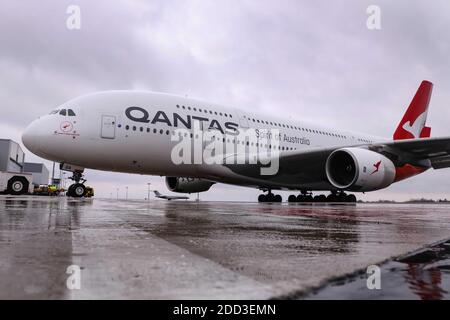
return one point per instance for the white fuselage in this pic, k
(101, 134)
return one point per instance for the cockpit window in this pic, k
(64, 112)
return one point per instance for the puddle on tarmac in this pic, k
(424, 275)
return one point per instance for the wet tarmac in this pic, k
(424, 274)
(207, 250)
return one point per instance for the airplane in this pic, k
(160, 196)
(139, 132)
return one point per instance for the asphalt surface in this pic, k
(204, 250)
(424, 274)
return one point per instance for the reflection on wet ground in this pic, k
(35, 249)
(191, 250)
(424, 275)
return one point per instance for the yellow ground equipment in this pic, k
(89, 192)
(47, 190)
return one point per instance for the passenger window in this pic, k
(63, 112)
(71, 113)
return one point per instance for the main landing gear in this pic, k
(337, 196)
(78, 189)
(270, 197)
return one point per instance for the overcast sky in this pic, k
(311, 60)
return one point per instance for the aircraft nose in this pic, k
(30, 137)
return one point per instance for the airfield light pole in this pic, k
(148, 192)
(126, 196)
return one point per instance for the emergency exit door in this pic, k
(108, 127)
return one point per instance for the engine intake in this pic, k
(356, 169)
(187, 185)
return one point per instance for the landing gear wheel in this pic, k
(332, 198)
(292, 198)
(351, 198)
(320, 198)
(69, 192)
(262, 198)
(18, 186)
(77, 190)
(342, 197)
(270, 197)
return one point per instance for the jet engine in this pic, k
(187, 185)
(356, 169)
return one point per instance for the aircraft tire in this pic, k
(78, 190)
(69, 192)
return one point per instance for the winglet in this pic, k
(412, 124)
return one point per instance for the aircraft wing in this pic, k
(308, 165)
(436, 150)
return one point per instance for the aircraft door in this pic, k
(108, 130)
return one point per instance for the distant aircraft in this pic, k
(160, 196)
(139, 132)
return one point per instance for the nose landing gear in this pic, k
(78, 189)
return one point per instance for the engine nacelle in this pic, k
(187, 185)
(357, 169)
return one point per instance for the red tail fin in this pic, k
(413, 122)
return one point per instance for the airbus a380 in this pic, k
(133, 132)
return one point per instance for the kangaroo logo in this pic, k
(377, 167)
(66, 126)
(415, 127)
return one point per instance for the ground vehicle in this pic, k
(47, 190)
(89, 192)
(16, 183)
